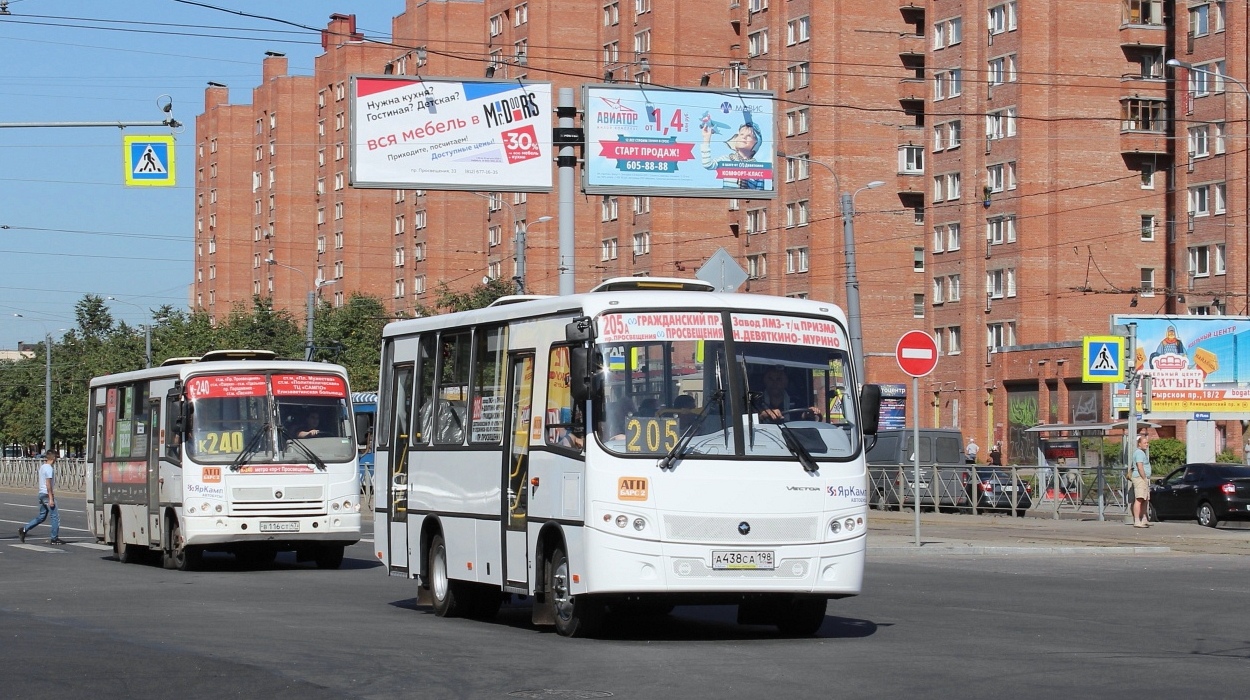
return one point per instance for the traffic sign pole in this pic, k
(916, 354)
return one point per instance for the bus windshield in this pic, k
(266, 418)
(662, 377)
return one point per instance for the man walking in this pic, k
(972, 450)
(47, 500)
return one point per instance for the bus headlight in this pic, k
(334, 506)
(835, 527)
(622, 520)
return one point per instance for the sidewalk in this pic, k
(892, 532)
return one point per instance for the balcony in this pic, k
(912, 89)
(910, 44)
(1143, 35)
(1155, 142)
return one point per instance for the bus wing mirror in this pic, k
(870, 408)
(579, 380)
(364, 425)
(580, 331)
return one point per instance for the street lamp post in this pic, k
(853, 316)
(520, 229)
(311, 306)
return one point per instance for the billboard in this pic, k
(1197, 364)
(448, 134)
(658, 141)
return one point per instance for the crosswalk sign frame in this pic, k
(1096, 350)
(148, 160)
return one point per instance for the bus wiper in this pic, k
(253, 446)
(312, 456)
(796, 447)
(679, 449)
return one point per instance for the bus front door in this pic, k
(397, 475)
(154, 472)
(516, 472)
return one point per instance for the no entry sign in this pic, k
(916, 353)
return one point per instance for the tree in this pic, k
(481, 296)
(351, 335)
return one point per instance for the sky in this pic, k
(69, 226)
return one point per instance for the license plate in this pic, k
(279, 526)
(1009, 489)
(742, 560)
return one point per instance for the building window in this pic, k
(399, 288)
(642, 205)
(1220, 262)
(756, 5)
(1000, 124)
(1144, 115)
(954, 342)
(952, 236)
(796, 214)
(911, 160)
(1198, 144)
(952, 186)
(1000, 229)
(1000, 335)
(947, 84)
(642, 243)
(338, 181)
(607, 249)
(418, 252)
(939, 286)
(521, 14)
(798, 76)
(953, 289)
(1002, 70)
(797, 168)
(757, 43)
(321, 244)
(1147, 286)
(418, 285)
(338, 270)
(418, 219)
(1147, 227)
(399, 256)
(612, 14)
(757, 221)
(494, 236)
(400, 225)
(611, 53)
(1200, 200)
(954, 134)
(609, 209)
(1144, 12)
(797, 31)
(494, 201)
(757, 266)
(917, 306)
(1218, 194)
(758, 82)
(939, 239)
(338, 240)
(796, 260)
(1200, 261)
(796, 121)
(642, 7)
(642, 44)
(917, 259)
(1002, 18)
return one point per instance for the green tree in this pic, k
(1166, 454)
(261, 328)
(480, 296)
(351, 335)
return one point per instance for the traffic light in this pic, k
(1146, 382)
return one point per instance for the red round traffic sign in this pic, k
(917, 353)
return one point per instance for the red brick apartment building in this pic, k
(1044, 169)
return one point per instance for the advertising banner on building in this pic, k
(659, 141)
(1197, 364)
(447, 134)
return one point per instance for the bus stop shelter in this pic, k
(1054, 466)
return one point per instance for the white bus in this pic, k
(233, 451)
(614, 452)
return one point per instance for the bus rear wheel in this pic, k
(575, 616)
(445, 593)
(329, 556)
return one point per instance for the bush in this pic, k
(1166, 454)
(1228, 457)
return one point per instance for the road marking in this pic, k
(38, 548)
(63, 527)
(93, 545)
(36, 505)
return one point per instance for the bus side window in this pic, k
(566, 427)
(173, 436)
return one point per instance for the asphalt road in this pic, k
(75, 623)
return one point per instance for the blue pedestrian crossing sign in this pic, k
(149, 161)
(1102, 358)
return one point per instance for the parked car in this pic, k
(1208, 493)
(993, 490)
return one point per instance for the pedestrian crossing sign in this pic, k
(149, 160)
(1103, 358)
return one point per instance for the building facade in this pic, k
(1043, 167)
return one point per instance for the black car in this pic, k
(1208, 493)
(993, 490)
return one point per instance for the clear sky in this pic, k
(68, 224)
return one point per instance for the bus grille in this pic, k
(697, 568)
(288, 500)
(711, 529)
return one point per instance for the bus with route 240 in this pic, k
(233, 451)
(647, 444)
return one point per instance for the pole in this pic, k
(1130, 441)
(567, 162)
(915, 451)
(47, 392)
(147, 345)
(308, 341)
(520, 257)
(852, 287)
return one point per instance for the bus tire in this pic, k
(179, 556)
(123, 552)
(575, 616)
(801, 617)
(329, 556)
(445, 594)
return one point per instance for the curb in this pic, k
(944, 550)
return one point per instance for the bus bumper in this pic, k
(340, 527)
(615, 564)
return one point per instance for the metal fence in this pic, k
(997, 489)
(23, 473)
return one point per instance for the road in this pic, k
(76, 623)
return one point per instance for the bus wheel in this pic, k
(329, 556)
(576, 616)
(179, 556)
(444, 592)
(124, 553)
(801, 617)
